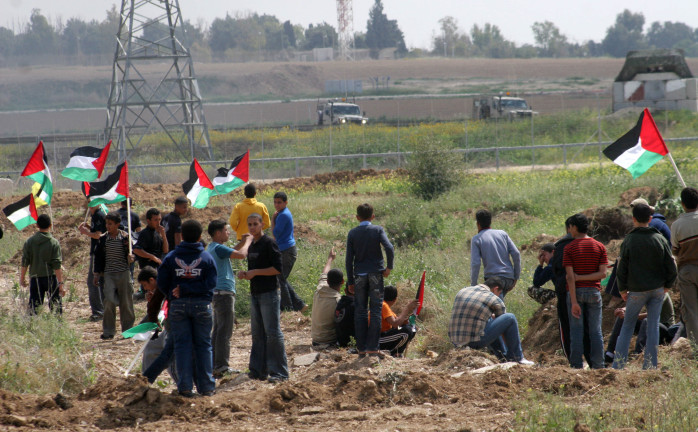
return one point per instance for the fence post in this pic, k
(533, 158)
(564, 155)
(496, 157)
(364, 161)
(298, 171)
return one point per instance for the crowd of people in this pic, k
(193, 285)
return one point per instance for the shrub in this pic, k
(432, 170)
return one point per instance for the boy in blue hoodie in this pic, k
(187, 277)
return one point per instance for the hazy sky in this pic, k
(418, 19)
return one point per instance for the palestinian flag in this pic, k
(37, 170)
(640, 148)
(86, 163)
(198, 188)
(420, 293)
(112, 190)
(227, 180)
(22, 213)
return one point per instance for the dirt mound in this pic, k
(652, 195)
(538, 242)
(608, 223)
(337, 177)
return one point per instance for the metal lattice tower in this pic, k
(345, 28)
(153, 86)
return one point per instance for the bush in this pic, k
(432, 170)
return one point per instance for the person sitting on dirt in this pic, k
(325, 298)
(396, 332)
(187, 276)
(479, 320)
(242, 210)
(667, 329)
(499, 255)
(542, 274)
(224, 294)
(344, 318)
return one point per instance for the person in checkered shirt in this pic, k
(479, 320)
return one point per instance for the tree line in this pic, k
(265, 37)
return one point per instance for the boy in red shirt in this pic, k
(585, 264)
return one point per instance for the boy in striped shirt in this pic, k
(585, 264)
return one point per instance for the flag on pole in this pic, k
(37, 170)
(198, 188)
(227, 180)
(112, 190)
(86, 163)
(420, 293)
(22, 213)
(640, 148)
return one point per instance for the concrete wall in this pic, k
(660, 91)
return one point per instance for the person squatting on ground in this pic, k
(243, 209)
(41, 256)
(187, 276)
(479, 320)
(153, 367)
(112, 262)
(684, 245)
(645, 270)
(151, 245)
(268, 353)
(325, 299)
(282, 227)
(396, 332)
(95, 230)
(585, 263)
(498, 253)
(542, 274)
(224, 294)
(365, 272)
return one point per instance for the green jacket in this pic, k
(646, 262)
(42, 254)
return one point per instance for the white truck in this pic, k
(340, 112)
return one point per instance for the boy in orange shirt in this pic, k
(396, 333)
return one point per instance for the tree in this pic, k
(450, 41)
(550, 41)
(669, 34)
(625, 35)
(289, 34)
(7, 42)
(40, 37)
(382, 32)
(489, 42)
(320, 36)
(222, 34)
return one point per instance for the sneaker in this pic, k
(187, 394)
(276, 379)
(208, 393)
(525, 362)
(95, 318)
(106, 337)
(225, 372)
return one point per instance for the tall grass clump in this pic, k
(41, 354)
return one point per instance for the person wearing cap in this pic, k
(543, 274)
(658, 221)
(646, 270)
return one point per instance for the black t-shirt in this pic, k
(262, 254)
(135, 220)
(344, 320)
(97, 224)
(150, 241)
(173, 224)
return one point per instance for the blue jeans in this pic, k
(636, 301)
(368, 296)
(191, 321)
(590, 302)
(268, 353)
(504, 325)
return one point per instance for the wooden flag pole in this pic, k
(676, 169)
(128, 213)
